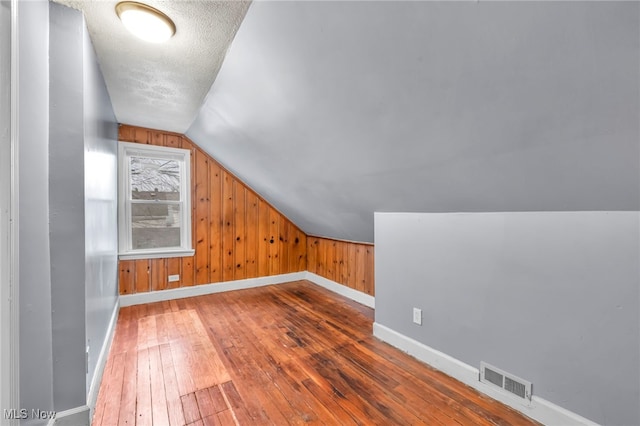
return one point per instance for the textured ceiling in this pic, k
(334, 110)
(162, 85)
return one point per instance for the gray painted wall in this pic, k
(5, 189)
(83, 164)
(66, 206)
(334, 110)
(551, 297)
(68, 269)
(36, 364)
(100, 204)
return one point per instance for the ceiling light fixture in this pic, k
(145, 22)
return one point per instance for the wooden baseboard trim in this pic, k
(538, 408)
(200, 290)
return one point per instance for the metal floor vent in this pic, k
(508, 382)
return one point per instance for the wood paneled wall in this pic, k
(236, 233)
(347, 263)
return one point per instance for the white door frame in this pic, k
(9, 291)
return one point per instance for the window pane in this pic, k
(155, 225)
(155, 179)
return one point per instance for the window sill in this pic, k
(155, 254)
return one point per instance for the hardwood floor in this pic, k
(288, 354)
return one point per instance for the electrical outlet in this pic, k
(417, 316)
(174, 278)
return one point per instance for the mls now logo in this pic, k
(23, 413)
(15, 414)
(40, 414)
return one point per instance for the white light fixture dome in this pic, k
(145, 22)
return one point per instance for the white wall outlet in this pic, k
(417, 316)
(174, 278)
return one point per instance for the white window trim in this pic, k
(126, 252)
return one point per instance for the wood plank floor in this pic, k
(287, 354)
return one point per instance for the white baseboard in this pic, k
(538, 408)
(342, 290)
(78, 416)
(92, 395)
(200, 290)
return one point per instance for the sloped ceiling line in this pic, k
(335, 110)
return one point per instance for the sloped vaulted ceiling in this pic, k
(334, 110)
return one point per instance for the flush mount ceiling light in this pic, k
(145, 22)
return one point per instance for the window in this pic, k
(154, 206)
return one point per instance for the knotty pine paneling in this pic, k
(215, 223)
(274, 235)
(174, 267)
(252, 235)
(236, 233)
(227, 227)
(239, 220)
(345, 262)
(202, 226)
(263, 239)
(142, 278)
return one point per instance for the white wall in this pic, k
(551, 297)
